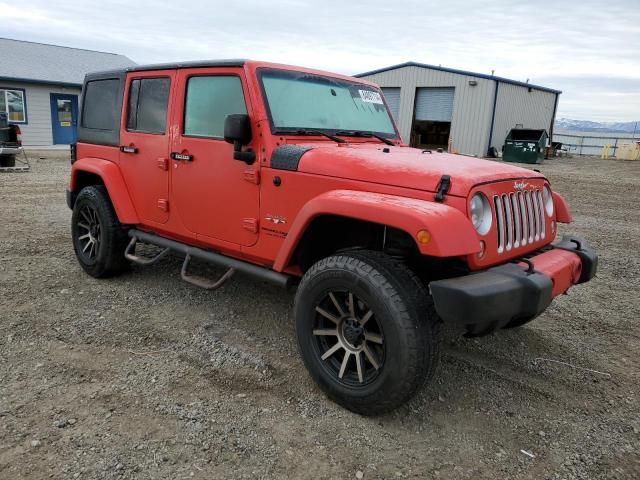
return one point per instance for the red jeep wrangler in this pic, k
(297, 176)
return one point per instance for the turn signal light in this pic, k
(483, 248)
(423, 237)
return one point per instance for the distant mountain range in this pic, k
(604, 127)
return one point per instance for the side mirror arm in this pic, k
(237, 130)
(248, 157)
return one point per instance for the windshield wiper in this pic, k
(304, 131)
(358, 133)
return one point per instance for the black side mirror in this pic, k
(237, 130)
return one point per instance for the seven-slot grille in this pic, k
(519, 219)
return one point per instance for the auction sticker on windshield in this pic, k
(370, 97)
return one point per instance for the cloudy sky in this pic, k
(588, 49)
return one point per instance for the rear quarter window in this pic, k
(101, 106)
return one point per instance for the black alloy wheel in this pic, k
(348, 338)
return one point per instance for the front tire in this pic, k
(99, 239)
(367, 330)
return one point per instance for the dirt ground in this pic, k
(145, 376)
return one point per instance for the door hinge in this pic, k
(163, 163)
(252, 175)
(250, 224)
(163, 204)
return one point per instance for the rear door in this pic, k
(215, 196)
(144, 143)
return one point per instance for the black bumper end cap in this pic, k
(588, 256)
(483, 302)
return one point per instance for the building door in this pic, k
(432, 122)
(215, 196)
(64, 118)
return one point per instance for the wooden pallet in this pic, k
(17, 168)
(21, 166)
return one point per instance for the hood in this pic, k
(406, 167)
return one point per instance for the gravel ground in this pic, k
(145, 376)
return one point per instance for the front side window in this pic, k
(12, 103)
(148, 101)
(298, 101)
(208, 102)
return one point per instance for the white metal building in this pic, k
(40, 85)
(461, 111)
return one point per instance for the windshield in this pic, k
(299, 101)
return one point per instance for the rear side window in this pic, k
(208, 102)
(101, 106)
(147, 109)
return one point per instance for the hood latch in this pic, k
(443, 187)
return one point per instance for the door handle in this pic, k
(181, 157)
(128, 149)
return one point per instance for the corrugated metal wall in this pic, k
(37, 132)
(472, 106)
(392, 96)
(516, 105)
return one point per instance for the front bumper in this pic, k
(516, 292)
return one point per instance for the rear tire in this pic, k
(99, 239)
(367, 330)
(7, 160)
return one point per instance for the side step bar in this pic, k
(256, 271)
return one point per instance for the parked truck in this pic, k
(10, 141)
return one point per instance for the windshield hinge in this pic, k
(443, 187)
(250, 224)
(252, 175)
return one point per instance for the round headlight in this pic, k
(548, 200)
(480, 213)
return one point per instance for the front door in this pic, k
(144, 143)
(64, 118)
(215, 196)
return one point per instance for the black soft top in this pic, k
(165, 66)
(108, 132)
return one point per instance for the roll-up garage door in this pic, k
(392, 95)
(434, 104)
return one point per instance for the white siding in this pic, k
(516, 105)
(472, 105)
(37, 132)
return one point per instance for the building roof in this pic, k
(52, 64)
(459, 72)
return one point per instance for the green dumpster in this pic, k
(524, 145)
